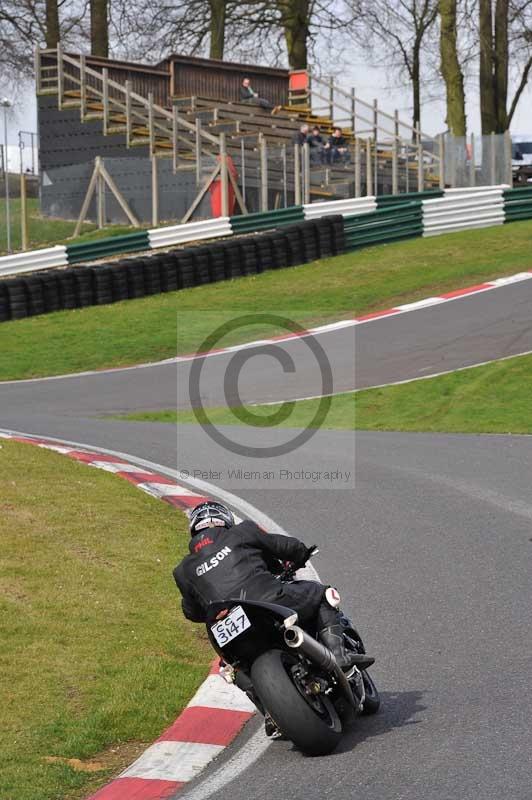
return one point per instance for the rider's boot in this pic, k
(332, 636)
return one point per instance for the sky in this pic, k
(370, 82)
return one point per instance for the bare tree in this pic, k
(486, 66)
(505, 29)
(32, 23)
(53, 33)
(396, 31)
(273, 32)
(295, 20)
(218, 16)
(451, 68)
(99, 28)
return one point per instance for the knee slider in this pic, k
(332, 596)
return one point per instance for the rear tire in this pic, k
(314, 733)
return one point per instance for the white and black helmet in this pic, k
(210, 514)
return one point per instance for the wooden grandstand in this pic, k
(187, 110)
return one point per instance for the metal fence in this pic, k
(478, 160)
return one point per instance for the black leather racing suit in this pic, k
(238, 563)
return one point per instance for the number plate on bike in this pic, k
(231, 626)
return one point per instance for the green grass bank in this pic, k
(45, 231)
(352, 284)
(96, 658)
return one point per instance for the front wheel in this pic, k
(311, 722)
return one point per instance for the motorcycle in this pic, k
(290, 676)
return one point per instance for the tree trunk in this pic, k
(52, 24)
(501, 64)
(99, 28)
(451, 69)
(416, 68)
(217, 26)
(487, 85)
(295, 21)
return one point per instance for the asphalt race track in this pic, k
(467, 331)
(429, 543)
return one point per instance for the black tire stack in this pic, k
(169, 275)
(81, 286)
(185, 269)
(50, 284)
(35, 295)
(18, 301)
(135, 277)
(5, 311)
(119, 284)
(152, 275)
(67, 288)
(83, 282)
(102, 285)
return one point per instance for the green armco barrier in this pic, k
(387, 211)
(384, 218)
(400, 219)
(113, 245)
(376, 232)
(518, 196)
(379, 232)
(384, 238)
(264, 225)
(392, 199)
(278, 212)
(524, 191)
(517, 205)
(514, 216)
(382, 230)
(266, 219)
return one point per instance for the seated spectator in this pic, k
(248, 95)
(301, 137)
(317, 146)
(336, 148)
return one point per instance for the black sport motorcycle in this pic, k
(288, 673)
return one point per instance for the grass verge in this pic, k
(96, 659)
(495, 398)
(46, 231)
(351, 284)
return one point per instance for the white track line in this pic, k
(393, 383)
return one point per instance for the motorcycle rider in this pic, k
(229, 560)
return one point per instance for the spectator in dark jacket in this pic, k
(301, 137)
(317, 146)
(336, 147)
(248, 95)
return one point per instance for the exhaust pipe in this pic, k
(321, 656)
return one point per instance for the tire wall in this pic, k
(81, 286)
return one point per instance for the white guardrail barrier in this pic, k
(463, 209)
(458, 209)
(358, 205)
(33, 260)
(190, 232)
